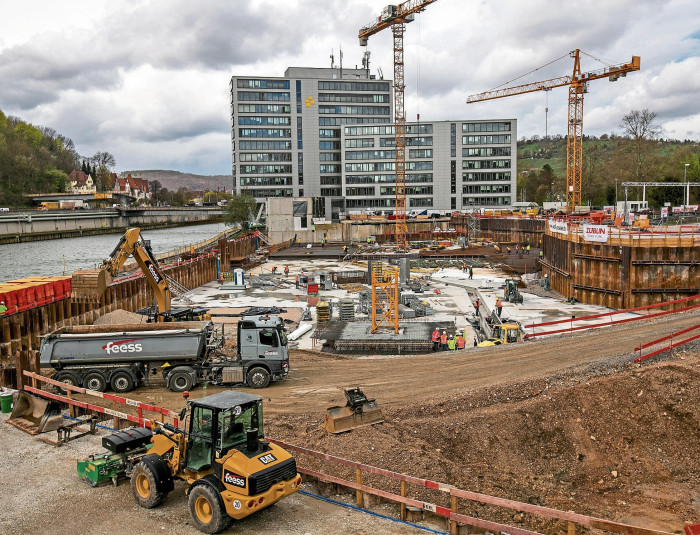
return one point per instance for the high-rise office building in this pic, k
(328, 134)
(286, 132)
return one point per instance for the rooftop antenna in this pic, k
(381, 74)
(332, 59)
(365, 61)
(341, 61)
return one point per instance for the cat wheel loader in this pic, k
(230, 470)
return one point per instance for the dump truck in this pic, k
(123, 356)
(220, 452)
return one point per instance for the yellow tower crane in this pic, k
(578, 85)
(396, 17)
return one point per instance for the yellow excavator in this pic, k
(90, 284)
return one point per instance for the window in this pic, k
(331, 192)
(424, 202)
(263, 84)
(265, 132)
(485, 201)
(253, 169)
(330, 168)
(266, 157)
(485, 140)
(233, 427)
(268, 337)
(329, 157)
(387, 179)
(266, 181)
(359, 143)
(486, 127)
(278, 192)
(200, 451)
(263, 120)
(420, 153)
(329, 145)
(370, 155)
(410, 141)
(255, 95)
(264, 108)
(328, 132)
(353, 86)
(487, 188)
(453, 140)
(485, 177)
(265, 145)
(487, 151)
(354, 97)
(354, 110)
(359, 192)
(331, 181)
(485, 164)
(338, 121)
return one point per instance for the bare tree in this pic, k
(640, 129)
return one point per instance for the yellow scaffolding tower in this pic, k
(385, 298)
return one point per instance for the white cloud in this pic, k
(148, 80)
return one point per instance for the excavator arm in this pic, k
(91, 284)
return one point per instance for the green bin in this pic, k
(6, 403)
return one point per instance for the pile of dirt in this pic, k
(617, 443)
(120, 316)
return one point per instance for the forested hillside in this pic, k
(640, 156)
(32, 160)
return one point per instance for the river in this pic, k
(58, 257)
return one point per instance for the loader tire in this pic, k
(145, 487)
(258, 377)
(207, 509)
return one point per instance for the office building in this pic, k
(328, 134)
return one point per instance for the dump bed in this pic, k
(100, 344)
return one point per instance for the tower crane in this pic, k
(578, 85)
(396, 17)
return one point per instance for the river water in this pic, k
(58, 257)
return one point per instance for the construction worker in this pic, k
(369, 241)
(286, 271)
(471, 272)
(541, 254)
(298, 242)
(296, 281)
(3, 308)
(461, 341)
(436, 339)
(464, 267)
(499, 306)
(477, 304)
(345, 249)
(508, 249)
(443, 341)
(451, 343)
(527, 249)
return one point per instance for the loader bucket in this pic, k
(35, 415)
(89, 284)
(357, 412)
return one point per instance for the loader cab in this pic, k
(222, 422)
(506, 333)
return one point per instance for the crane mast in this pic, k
(396, 17)
(578, 84)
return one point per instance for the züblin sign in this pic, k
(597, 233)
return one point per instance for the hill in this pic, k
(174, 180)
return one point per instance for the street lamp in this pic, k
(615, 193)
(685, 175)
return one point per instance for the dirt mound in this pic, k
(617, 444)
(120, 316)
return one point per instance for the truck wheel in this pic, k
(207, 510)
(122, 381)
(180, 381)
(258, 378)
(144, 485)
(94, 380)
(66, 377)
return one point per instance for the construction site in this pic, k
(485, 372)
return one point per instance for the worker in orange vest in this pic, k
(286, 271)
(477, 303)
(461, 342)
(296, 281)
(443, 341)
(436, 339)
(499, 306)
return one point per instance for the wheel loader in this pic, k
(230, 470)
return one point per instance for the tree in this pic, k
(156, 188)
(103, 163)
(239, 210)
(640, 129)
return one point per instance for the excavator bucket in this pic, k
(89, 284)
(35, 415)
(358, 411)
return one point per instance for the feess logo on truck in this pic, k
(123, 346)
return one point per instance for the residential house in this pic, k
(81, 182)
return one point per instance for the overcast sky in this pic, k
(148, 80)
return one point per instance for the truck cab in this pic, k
(262, 346)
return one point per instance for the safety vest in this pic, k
(498, 303)
(451, 344)
(436, 335)
(443, 339)
(461, 342)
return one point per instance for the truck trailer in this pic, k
(125, 356)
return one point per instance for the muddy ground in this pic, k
(569, 423)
